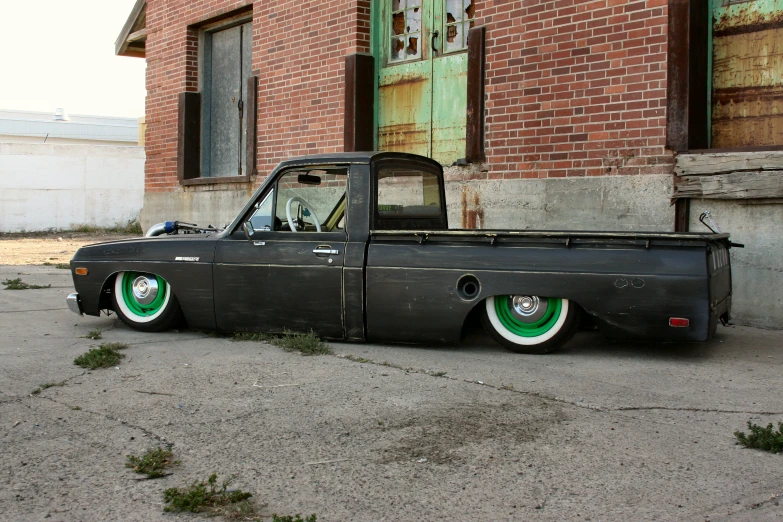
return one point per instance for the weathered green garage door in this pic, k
(419, 46)
(747, 73)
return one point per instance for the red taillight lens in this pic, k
(679, 322)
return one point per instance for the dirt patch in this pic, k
(439, 436)
(45, 247)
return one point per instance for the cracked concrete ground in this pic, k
(597, 431)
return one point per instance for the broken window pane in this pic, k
(398, 5)
(470, 9)
(414, 20)
(454, 38)
(454, 10)
(397, 47)
(413, 50)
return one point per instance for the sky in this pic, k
(58, 53)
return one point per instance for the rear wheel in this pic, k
(530, 324)
(145, 302)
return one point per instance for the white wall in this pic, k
(56, 186)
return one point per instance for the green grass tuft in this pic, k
(18, 284)
(307, 344)
(763, 438)
(105, 356)
(208, 497)
(94, 334)
(251, 337)
(130, 227)
(297, 518)
(152, 463)
(46, 386)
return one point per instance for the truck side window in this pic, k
(408, 197)
(311, 200)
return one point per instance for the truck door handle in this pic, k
(325, 251)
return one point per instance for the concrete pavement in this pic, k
(597, 431)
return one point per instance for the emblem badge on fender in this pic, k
(186, 259)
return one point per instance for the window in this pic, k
(459, 19)
(408, 197)
(406, 30)
(304, 201)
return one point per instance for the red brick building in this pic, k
(546, 114)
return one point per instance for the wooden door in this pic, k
(747, 73)
(226, 63)
(420, 48)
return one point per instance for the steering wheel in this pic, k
(303, 204)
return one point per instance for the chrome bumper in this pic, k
(74, 304)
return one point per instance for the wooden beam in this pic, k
(138, 35)
(736, 185)
(251, 101)
(189, 136)
(359, 113)
(474, 130)
(721, 163)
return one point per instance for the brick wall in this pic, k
(575, 88)
(299, 52)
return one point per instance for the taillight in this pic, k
(679, 322)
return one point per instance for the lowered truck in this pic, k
(357, 247)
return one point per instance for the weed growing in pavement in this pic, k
(18, 284)
(356, 358)
(45, 386)
(94, 334)
(152, 462)
(762, 438)
(297, 518)
(250, 336)
(208, 497)
(307, 344)
(64, 266)
(132, 226)
(106, 355)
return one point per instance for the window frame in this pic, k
(273, 187)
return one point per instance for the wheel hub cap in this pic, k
(145, 290)
(528, 308)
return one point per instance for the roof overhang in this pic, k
(133, 37)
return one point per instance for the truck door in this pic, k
(290, 276)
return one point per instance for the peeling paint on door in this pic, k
(747, 97)
(422, 76)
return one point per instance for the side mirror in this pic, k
(247, 226)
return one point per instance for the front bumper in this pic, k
(74, 303)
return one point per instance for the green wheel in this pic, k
(145, 301)
(530, 324)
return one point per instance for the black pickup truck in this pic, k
(357, 247)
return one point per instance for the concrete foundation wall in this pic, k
(594, 203)
(54, 186)
(757, 269)
(599, 203)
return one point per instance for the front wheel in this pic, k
(530, 324)
(145, 302)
